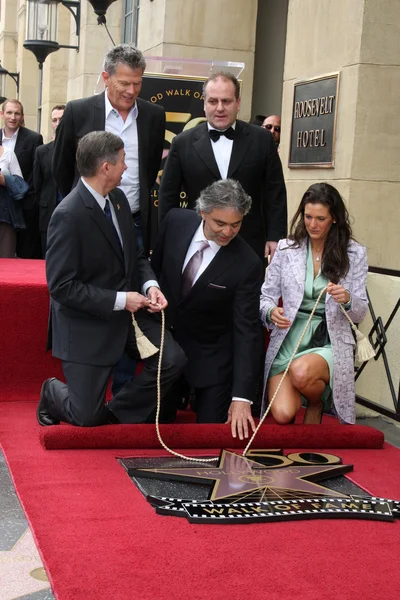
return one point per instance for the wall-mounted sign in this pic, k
(312, 140)
(183, 102)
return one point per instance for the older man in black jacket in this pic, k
(97, 279)
(212, 279)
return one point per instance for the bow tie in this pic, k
(215, 135)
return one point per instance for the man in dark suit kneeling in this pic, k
(97, 278)
(212, 279)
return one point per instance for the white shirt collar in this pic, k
(200, 237)
(101, 200)
(210, 127)
(111, 109)
(14, 135)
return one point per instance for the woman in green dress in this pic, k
(319, 253)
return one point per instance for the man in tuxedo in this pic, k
(23, 142)
(212, 280)
(139, 123)
(47, 195)
(98, 277)
(225, 147)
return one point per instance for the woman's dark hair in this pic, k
(335, 260)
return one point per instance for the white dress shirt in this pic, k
(120, 301)
(9, 164)
(9, 142)
(208, 255)
(127, 131)
(222, 149)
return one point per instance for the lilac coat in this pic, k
(285, 278)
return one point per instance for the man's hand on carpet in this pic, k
(239, 416)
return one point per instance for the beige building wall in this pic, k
(361, 39)
(373, 383)
(207, 30)
(269, 57)
(85, 66)
(67, 74)
(8, 44)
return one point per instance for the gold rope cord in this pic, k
(202, 460)
(285, 373)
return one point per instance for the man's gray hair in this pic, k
(126, 54)
(225, 193)
(94, 149)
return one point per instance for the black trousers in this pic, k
(81, 401)
(28, 240)
(211, 403)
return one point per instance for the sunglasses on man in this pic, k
(276, 128)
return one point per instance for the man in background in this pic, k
(273, 125)
(23, 142)
(225, 147)
(258, 120)
(46, 193)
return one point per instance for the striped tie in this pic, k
(191, 269)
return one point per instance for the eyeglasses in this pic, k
(276, 128)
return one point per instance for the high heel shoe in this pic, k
(313, 414)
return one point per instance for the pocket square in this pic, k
(217, 287)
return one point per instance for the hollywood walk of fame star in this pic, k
(21, 569)
(236, 475)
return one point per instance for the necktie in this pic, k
(107, 212)
(215, 134)
(191, 269)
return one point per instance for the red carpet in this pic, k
(24, 309)
(100, 540)
(192, 435)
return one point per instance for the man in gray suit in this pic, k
(97, 277)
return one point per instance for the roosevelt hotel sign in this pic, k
(312, 139)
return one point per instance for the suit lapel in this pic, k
(124, 229)
(224, 258)
(99, 217)
(181, 246)
(240, 147)
(202, 146)
(99, 112)
(19, 144)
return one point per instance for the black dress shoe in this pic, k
(111, 419)
(43, 413)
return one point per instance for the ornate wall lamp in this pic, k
(3, 75)
(41, 30)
